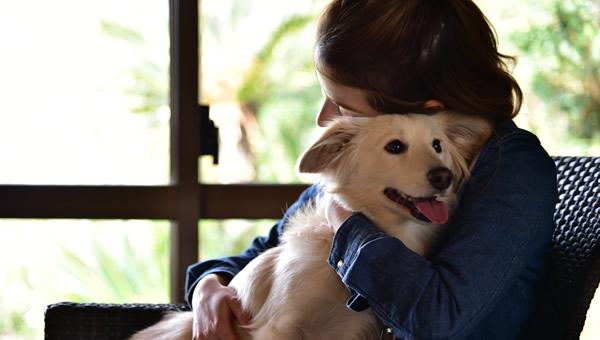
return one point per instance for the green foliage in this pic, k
(287, 120)
(119, 31)
(119, 272)
(149, 89)
(282, 89)
(13, 322)
(219, 25)
(220, 238)
(257, 85)
(565, 51)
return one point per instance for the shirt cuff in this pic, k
(356, 232)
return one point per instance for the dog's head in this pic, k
(406, 164)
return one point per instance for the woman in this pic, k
(379, 57)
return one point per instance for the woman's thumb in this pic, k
(242, 316)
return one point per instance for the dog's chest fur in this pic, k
(293, 293)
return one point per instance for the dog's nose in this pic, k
(440, 178)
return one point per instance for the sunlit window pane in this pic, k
(258, 78)
(84, 92)
(48, 261)
(220, 238)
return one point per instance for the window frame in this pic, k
(184, 201)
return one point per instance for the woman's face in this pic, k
(341, 100)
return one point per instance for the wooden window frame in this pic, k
(184, 201)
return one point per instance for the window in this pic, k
(100, 131)
(102, 73)
(88, 105)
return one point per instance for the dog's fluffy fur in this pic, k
(290, 290)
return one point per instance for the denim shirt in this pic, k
(482, 282)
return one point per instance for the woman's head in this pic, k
(403, 53)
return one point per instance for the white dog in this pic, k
(401, 171)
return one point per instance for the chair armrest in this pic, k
(102, 321)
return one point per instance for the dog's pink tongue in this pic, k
(434, 210)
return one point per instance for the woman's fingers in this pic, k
(216, 307)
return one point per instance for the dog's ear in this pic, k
(326, 152)
(466, 133)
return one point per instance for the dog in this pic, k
(401, 171)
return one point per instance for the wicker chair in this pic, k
(575, 261)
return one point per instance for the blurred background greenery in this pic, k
(111, 96)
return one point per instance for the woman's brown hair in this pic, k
(405, 52)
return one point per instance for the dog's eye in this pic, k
(437, 146)
(395, 147)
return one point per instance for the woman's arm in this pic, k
(228, 267)
(488, 265)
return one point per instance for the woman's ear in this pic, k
(326, 151)
(434, 104)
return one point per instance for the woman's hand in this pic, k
(216, 306)
(336, 214)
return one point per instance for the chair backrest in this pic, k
(575, 254)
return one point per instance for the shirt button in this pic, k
(340, 264)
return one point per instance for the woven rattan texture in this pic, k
(102, 321)
(575, 253)
(577, 215)
(575, 250)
